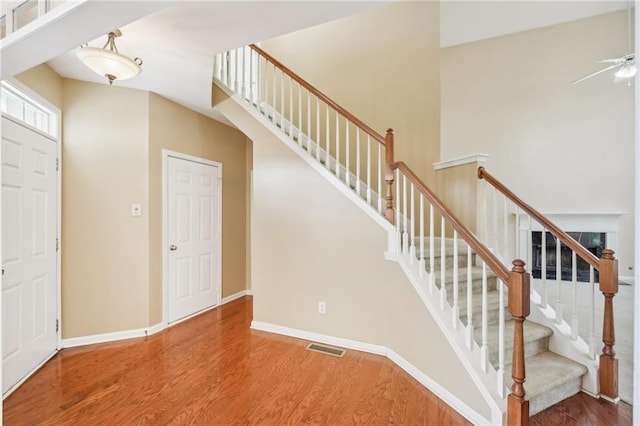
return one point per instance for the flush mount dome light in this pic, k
(108, 62)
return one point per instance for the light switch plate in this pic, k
(136, 210)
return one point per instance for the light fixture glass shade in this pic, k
(109, 63)
(626, 71)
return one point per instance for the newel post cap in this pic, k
(608, 272)
(519, 290)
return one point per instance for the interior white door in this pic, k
(193, 237)
(29, 258)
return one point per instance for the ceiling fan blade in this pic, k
(596, 73)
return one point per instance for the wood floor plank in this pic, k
(214, 370)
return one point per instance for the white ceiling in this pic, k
(178, 43)
(178, 39)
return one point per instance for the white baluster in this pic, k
(592, 312)
(484, 349)
(328, 141)
(317, 128)
(543, 268)
(309, 125)
(282, 101)
(412, 235)
(300, 119)
(501, 341)
(421, 265)
(530, 250)
(337, 144)
(398, 208)
(290, 110)
(261, 80)
(516, 253)
(218, 66)
(347, 178)
(275, 97)
(405, 234)
(369, 183)
(243, 74)
(495, 221)
(485, 215)
(225, 68)
(574, 279)
(456, 308)
(236, 84)
(251, 91)
(505, 222)
(443, 256)
(379, 178)
(358, 161)
(432, 244)
(559, 281)
(469, 301)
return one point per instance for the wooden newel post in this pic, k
(388, 175)
(608, 362)
(519, 308)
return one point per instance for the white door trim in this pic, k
(57, 139)
(166, 154)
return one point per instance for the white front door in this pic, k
(193, 220)
(29, 258)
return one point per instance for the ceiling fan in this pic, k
(625, 66)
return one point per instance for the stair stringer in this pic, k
(456, 336)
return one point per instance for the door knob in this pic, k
(173, 247)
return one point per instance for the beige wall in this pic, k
(461, 191)
(177, 128)
(44, 81)
(105, 251)
(382, 66)
(111, 155)
(310, 243)
(561, 147)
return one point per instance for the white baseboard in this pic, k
(156, 328)
(235, 296)
(627, 279)
(104, 338)
(453, 401)
(320, 338)
(140, 332)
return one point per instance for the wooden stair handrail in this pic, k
(585, 254)
(480, 249)
(352, 118)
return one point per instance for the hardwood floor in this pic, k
(213, 369)
(583, 410)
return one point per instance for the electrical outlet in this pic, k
(322, 308)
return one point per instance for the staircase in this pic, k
(463, 283)
(551, 377)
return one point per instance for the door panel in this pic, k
(29, 302)
(193, 220)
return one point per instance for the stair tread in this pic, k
(532, 332)
(493, 302)
(547, 370)
(476, 274)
